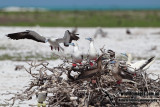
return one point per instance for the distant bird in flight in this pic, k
(54, 42)
(99, 31)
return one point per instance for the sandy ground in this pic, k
(140, 44)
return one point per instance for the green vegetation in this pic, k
(19, 57)
(82, 18)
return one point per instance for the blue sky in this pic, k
(82, 3)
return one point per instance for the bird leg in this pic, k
(41, 105)
(91, 63)
(51, 47)
(119, 81)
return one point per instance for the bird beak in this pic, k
(124, 54)
(87, 38)
(68, 43)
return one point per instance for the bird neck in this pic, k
(76, 48)
(129, 59)
(91, 45)
(46, 40)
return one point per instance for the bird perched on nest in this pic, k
(88, 74)
(41, 97)
(139, 65)
(120, 73)
(54, 42)
(111, 54)
(92, 53)
(99, 31)
(77, 55)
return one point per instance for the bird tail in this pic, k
(148, 63)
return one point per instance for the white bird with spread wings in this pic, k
(54, 42)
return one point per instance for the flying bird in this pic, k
(99, 31)
(54, 42)
(74, 30)
(77, 55)
(139, 65)
(92, 53)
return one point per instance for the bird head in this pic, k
(90, 39)
(128, 55)
(125, 54)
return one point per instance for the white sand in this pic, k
(139, 44)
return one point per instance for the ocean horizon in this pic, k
(82, 8)
(84, 4)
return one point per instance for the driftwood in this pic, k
(89, 87)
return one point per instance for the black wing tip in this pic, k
(7, 35)
(151, 59)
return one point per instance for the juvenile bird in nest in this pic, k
(120, 73)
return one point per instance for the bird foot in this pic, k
(95, 59)
(41, 105)
(119, 82)
(74, 65)
(93, 81)
(134, 74)
(91, 63)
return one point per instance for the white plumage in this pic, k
(54, 42)
(77, 55)
(92, 53)
(41, 96)
(139, 65)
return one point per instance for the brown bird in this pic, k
(119, 71)
(92, 72)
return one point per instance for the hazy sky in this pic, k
(81, 3)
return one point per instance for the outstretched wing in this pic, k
(28, 34)
(73, 36)
(148, 63)
(68, 37)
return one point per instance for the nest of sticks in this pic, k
(91, 86)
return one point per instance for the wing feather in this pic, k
(28, 34)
